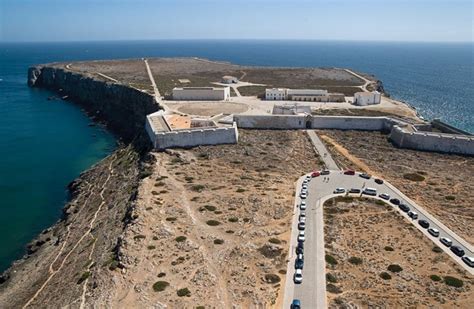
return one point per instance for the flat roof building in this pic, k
(201, 93)
(367, 98)
(309, 95)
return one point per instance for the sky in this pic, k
(366, 20)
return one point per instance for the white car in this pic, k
(434, 232)
(339, 190)
(370, 191)
(302, 215)
(304, 194)
(412, 215)
(298, 276)
(301, 236)
(446, 241)
(303, 205)
(469, 260)
(384, 196)
(308, 177)
(302, 219)
(304, 187)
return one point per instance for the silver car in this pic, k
(446, 241)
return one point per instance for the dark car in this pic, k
(424, 224)
(299, 250)
(365, 175)
(299, 264)
(295, 304)
(457, 250)
(301, 226)
(378, 181)
(395, 201)
(404, 208)
(300, 245)
(354, 190)
(325, 172)
(349, 172)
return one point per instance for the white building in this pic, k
(276, 94)
(229, 80)
(310, 95)
(201, 94)
(306, 93)
(367, 98)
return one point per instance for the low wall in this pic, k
(271, 121)
(446, 128)
(348, 123)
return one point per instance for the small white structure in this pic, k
(290, 109)
(229, 80)
(367, 98)
(276, 94)
(201, 93)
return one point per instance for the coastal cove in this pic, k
(46, 144)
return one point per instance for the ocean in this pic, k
(46, 144)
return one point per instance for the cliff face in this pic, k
(122, 108)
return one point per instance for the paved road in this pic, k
(367, 82)
(152, 80)
(322, 151)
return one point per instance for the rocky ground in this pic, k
(213, 224)
(376, 259)
(441, 183)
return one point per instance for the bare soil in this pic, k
(365, 238)
(215, 220)
(444, 185)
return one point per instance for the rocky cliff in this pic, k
(121, 107)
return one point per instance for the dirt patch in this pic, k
(209, 108)
(382, 261)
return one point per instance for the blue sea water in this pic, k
(46, 144)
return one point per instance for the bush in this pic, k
(414, 177)
(183, 292)
(454, 282)
(113, 265)
(437, 249)
(331, 288)
(197, 188)
(450, 197)
(355, 260)
(180, 238)
(218, 241)
(435, 278)
(151, 247)
(274, 241)
(394, 268)
(210, 207)
(331, 278)
(230, 232)
(138, 237)
(200, 307)
(233, 219)
(159, 286)
(385, 276)
(84, 277)
(330, 259)
(172, 219)
(388, 248)
(189, 178)
(213, 222)
(240, 190)
(272, 278)
(161, 275)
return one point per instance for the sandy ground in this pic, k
(380, 236)
(208, 108)
(239, 258)
(445, 187)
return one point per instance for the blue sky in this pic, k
(386, 20)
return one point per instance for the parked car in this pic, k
(304, 194)
(299, 250)
(365, 175)
(349, 172)
(457, 250)
(339, 190)
(299, 263)
(434, 232)
(404, 208)
(354, 190)
(325, 172)
(300, 245)
(424, 224)
(302, 219)
(304, 187)
(302, 215)
(395, 201)
(295, 304)
(301, 226)
(378, 181)
(303, 205)
(308, 178)
(298, 276)
(446, 241)
(370, 191)
(469, 260)
(301, 237)
(384, 196)
(413, 215)
(315, 174)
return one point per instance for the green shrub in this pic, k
(160, 275)
(355, 260)
(213, 222)
(183, 292)
(246, 220)
(172, 219)
(240, 190)
(159, 184)
(414, 177)
(450, 197)
(272, 278)
(180, 238)
(388, 248)
(437, 249)
(331, 278)
(435, 278)
(233, 219)
(218, 241)
(197, 188)
(151, 247)
(385, 276)
(154, 193)
(274, 241)
(84, 277)
(210, 207)
(218, 212)
(230, 232)
(159, 286)
(113, 265)
(200, 307)
(138, 237)
(331, 288)
(282, 271)
(394, 268)
(189, 178)
(454, 282)
(330, 259)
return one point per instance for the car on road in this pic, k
(299, 263)
(354, 190)
(325, 172)
(301, 237)
(301, 226)
(395, 201)
(339, 191)
(384, 196)
(315, 174)
(303, 194)
(299, 249)
(404, 208)
(304, 187)
(434, 232)
(295, 304)
(308, 178)
(412, 215)
(457, 250)
(378, 181)
(365, 175)
(298, 276)
(300, 245)
(349, 172)
(370, 191)
(423, 223)
(302, 215)
(303, 205)
(446, 241)
(302, 219)
(469, 260)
